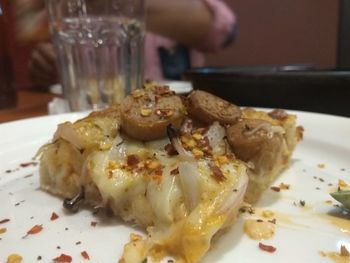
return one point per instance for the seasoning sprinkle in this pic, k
(54, 216)
(34, 230)
(85, 255)
(4, 221)
(275, 188)
(267, 248)
(63, 258)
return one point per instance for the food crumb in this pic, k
(321, 165)
(302, 203)
(38, 258)
(3, 230)
(93, 223)
(284, 186)
(329, 202)
(14, 258)
(78, 243)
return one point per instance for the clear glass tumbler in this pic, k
(100, 49)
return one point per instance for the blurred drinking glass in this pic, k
(100, 49)
(8, 94)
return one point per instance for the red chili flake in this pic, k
(170, 149)
(175, 171)
(28, 164)
(93, 223)
(54, 216)
(158, 171)
(132, 160)
(4, 221)
(63, 258)
(217, 174)
(35, 230)
(267, 248)
(27, 176)
(275, 188)
(85, 255)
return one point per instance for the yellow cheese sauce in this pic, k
(259, 229)
(340, 221)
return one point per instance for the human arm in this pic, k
(203, 24)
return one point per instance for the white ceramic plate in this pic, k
(301, 233)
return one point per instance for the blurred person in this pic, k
(179, 33)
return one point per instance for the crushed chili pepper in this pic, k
(217, 173)
(132, 160)
(267, 248)
(63, 258)
(275, 188)
(28, 164)
(35, 230)
(93, 223)
(4, 221)
(85, 255)
(54, 216)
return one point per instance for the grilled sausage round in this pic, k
(147, 112)
(208, 108)
(255, 141)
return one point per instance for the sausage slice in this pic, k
(208, 108)
(253, 140)
(147, 112)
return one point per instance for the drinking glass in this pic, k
(99, 44)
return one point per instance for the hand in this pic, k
(42, 67)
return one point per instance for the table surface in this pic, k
(30, 104)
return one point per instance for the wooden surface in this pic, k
(29, 104)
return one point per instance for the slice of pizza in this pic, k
(264, 140)
(149, 164)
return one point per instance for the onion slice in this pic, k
(67, 132)
(175, 141)
(189, 179)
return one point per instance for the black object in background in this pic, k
(174, 62)
(288, 87)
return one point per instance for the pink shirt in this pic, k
(224, 22)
